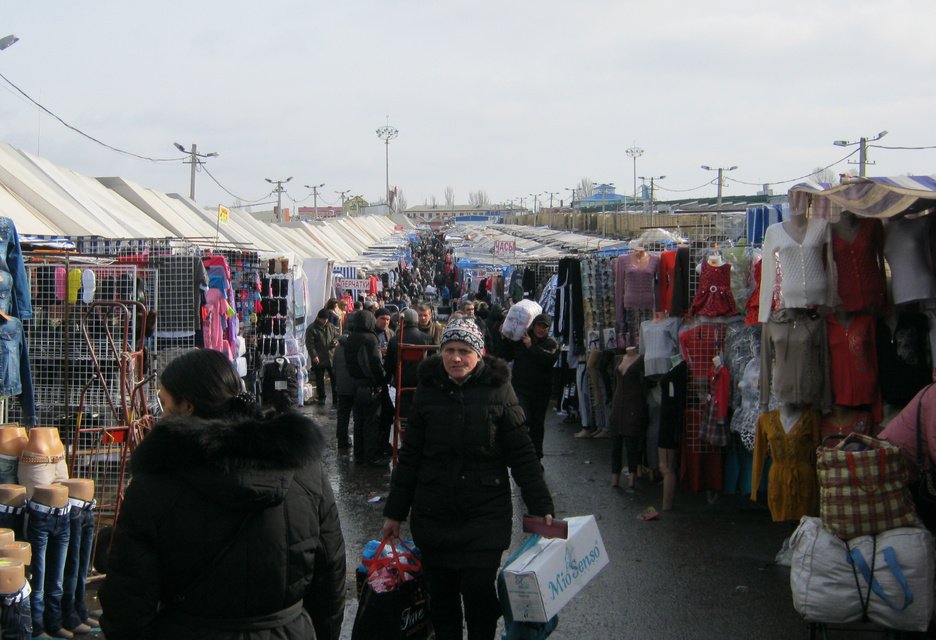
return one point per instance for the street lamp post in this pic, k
(721, 182)
(315, 188)
(387, 133)
(551, 194)
(863, 150)
(633, 153)
(278, 214)
(652, 179)
(194, 161)
(341, 194)
(571, 191)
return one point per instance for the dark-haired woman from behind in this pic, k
(229, 528)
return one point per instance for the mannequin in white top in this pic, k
(799, 244)
(789, 415)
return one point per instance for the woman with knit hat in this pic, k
(465, 434)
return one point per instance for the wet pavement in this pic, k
(700, 571)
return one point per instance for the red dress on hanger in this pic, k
(713, 297)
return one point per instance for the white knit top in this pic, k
(803, 280)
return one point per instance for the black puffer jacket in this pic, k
(452, 477)
(362, 352)
(197, 486)
(533, 365)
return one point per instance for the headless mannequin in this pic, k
(50, 495)
(12, 576)
(847, 226)
(789, 416)
(80, 489)
(44, 441)
(715, 258)
(13, 440)
(796, 227)
(6, 536)
(13, 495)
(639, 257)
(43, 459)
(630, 357)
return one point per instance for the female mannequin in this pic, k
(14, 605)
(74, 612)
(12, 442)
(47, 530)
(629, 416)
(634, 285)
(794, 248)
(858, 252)
(12, 507)
(789, 416)
(43, 459)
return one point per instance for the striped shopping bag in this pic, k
(863, 487)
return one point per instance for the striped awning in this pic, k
(868, 197)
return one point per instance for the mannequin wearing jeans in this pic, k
(15, 623)
(12, 442)
(43, 459)
(48, 528)
(13, 507)
(74, 612)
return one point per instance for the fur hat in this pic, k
(464, 330)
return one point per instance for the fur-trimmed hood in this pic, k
(490, 371)
(235, 460)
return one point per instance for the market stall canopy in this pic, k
(868, 197)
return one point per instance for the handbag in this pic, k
(863, 487)
(394, 602)
(926, 482)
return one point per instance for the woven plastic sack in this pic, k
(519, 318)
(863, 488)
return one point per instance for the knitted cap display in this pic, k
(464, 330)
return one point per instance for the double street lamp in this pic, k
(315, 188)
(387, 133)
(721, 182)
(633, 153)
(194, 161)
(652, 179)
(278, 214)
(863, 150)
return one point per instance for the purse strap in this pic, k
(919, 431)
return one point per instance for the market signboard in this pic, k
(505, 248)
(352, 283)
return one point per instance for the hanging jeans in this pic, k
(12, 518)
(80, 541)
(15, 618)
(8, 467)
(47, 530)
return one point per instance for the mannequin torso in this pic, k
(12, 495)
(79, 488)
(13, 440)
(21, 551)
(44, 441)
(640, 258)
(12, 576)
(630, 356)
(789, 416)
(847, 226)
(51, 495)
(7, 536)
(796, 228)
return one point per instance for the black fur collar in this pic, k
(286, 441)
(493, 372)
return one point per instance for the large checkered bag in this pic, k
(863, 488)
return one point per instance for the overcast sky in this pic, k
(508, 97)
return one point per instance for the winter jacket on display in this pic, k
(319, 339)
(255, 488)
(452, 478)
(280, 385)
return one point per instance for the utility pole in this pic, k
(278, 213)
(315, 188)
(652, 180)
(634, 153)
(862, 151)
(194, 161)
(721, 179)
(551, 194)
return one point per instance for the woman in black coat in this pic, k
(229, 528)
(465, 431)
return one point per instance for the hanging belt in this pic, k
(44, 508)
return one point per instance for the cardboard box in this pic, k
(542, 579)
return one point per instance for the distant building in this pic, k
(312, 213)
(463, 212)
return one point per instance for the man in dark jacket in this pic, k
(321, 338)
(364, 362)
(533, 356)
(410, 335)
(347, 388)
(464, 441)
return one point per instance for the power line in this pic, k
(808, 175)
(235, 196)
(82, 133)
(701, 186)
(880, 146)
